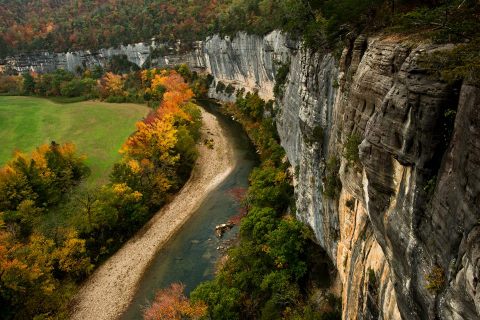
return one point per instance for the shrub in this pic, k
(220, 87)
(462, 62)
(97, 72)
(115, 99)
(230, 89)
(435, 280)
(332, 183)
(372, 279)
(351, 148)
(10, 84)
(120, 64)
(200, 85)
(317, 134)
(280, 80)
(350, 204)
(28, 83)
(171, 303)
(430, 186)
(185, 72)
(77, 87)
(252, 106)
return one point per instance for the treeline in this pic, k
(53, 230)
(325, 22)
(276, 265)
(92, 24)
(70, 25)
(157, 160)
(122, 84)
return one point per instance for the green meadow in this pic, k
(98, 129)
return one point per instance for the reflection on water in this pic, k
(190, 256)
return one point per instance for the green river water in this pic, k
(190, 256)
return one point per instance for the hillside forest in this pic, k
(61, 26)
(54, 230)
(91, 24)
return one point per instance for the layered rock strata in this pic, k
(403, 228)
(155, 54)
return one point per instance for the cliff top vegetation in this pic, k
(92, 24)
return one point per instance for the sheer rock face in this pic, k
(407, 214)
(137, 53)
(410, 205)
(245, 61)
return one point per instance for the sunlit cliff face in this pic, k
(390, 224)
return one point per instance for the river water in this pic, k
(190, 256)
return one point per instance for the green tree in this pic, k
(223, 301)
(258, 224)
(77, 87)
(28, 83)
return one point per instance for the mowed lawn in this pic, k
(97, 129)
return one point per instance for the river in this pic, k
(190, 256)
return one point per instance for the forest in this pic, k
(54, 230)
(61, 26)
(91, 24)
(69, 25)
(121, 83)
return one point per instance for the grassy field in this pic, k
(97, 129)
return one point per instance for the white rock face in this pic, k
(247, 61)
(380, 230)
(137, 53)
(307, 125)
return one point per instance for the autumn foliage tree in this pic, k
(113, 84)
(43, 177)
(40, 264)
(35, 269)
(35, 274)
(172, 304)
(152, 156)
(10, 84)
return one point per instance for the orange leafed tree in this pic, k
(173, 82)
(153, 146)
(150, 140)
(172, 304)
(177, 93)
(156, 135)
(112, 84)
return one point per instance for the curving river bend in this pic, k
(190, 255)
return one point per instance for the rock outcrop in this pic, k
(246, 62)
(138, 53)
(387, 162)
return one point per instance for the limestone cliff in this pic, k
(406, 215)
(137, 53)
